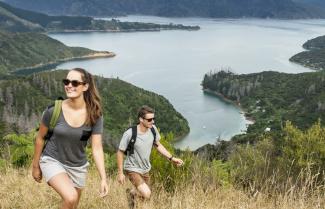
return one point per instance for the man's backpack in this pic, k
(130, 148)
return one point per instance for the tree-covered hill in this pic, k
(22, 101)
(23, 50)
(20, 20)
(184, 8)
(314, 57)
(271, 98)
(11, 22)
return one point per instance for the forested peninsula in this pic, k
(314, 56)
(31, 50)
(270, 99)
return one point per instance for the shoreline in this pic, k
(251, 120)
(93, 55)
(120, 31)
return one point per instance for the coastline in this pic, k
(93, 55)
(119, 30)
(242, 110)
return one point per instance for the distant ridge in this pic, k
(175, 8)
(20, 20)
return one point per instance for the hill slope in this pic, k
(207, 8)
(23, 50)
(22, 101)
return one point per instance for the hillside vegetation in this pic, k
(185, 8)
(25, 191)
(19, 20)
(268, 175)
(22, 100)
(314, 57)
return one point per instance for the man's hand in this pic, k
(178, 162)
(121, 178)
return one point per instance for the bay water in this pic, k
(173, 62)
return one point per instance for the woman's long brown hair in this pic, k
(92, 98)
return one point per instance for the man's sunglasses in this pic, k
(149, 119)
(74, 83)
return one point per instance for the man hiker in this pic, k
(136, 144)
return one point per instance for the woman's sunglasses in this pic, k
(149, 119)
(74, 83)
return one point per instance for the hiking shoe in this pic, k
(131, 198)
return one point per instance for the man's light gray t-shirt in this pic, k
(139, 161)
(67, 144)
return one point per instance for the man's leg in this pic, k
(144, 190)
(140, 183)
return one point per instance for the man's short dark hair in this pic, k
(145, 110)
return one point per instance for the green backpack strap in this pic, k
(55, 114)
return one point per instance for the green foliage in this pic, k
(253, 164)
(303, 150)
(21, 148)
(165, 172)
(295, 158)
(209, 174)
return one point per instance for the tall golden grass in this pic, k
(19, 190)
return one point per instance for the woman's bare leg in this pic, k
(70, 195)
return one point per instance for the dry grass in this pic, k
(19, 190)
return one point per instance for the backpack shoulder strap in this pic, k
(56, 113)
(130, 148)
(54, 118)
(153, 131)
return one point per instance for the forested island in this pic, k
(19, 20)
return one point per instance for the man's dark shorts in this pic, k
(138, 178)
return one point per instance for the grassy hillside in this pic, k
(19, 189)
(314, 57)
(23, 100)
(23, 50)
(19, 20)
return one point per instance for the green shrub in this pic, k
(21, 148)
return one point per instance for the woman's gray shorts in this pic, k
(51, 167)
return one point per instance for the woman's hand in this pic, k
(103, 188)
(37, 174)
(121, 178)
